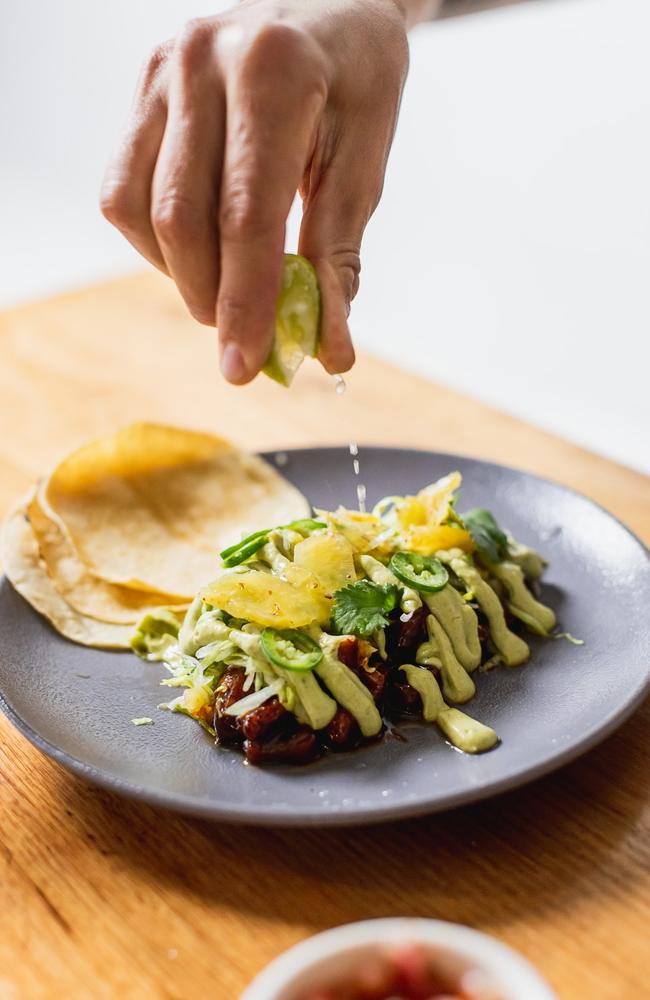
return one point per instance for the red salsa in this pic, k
(405, 973)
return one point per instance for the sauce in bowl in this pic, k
(407, 972)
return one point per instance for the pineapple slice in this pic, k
(268, 600)
(330, 557)
(411, 511)
(364, 532)
(427, 539)
(420, 519)
(438, 495)
(430, 505)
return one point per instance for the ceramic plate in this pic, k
(76, 704)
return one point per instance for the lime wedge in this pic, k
(297, 320)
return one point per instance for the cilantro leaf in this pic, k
(488, 537)
(361, 608)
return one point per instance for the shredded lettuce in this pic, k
(215, 652)
(255, 699)
(568, 637)
(198, 647)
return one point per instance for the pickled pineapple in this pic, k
(268, 600)
(364, 532)
(430, 505)
(427, 539)
(330, 557)
(420, 519)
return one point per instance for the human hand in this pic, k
(230, 119)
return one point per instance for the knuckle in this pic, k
(278, 46)
(277, 40)
(175, 219)
(232, 312)
(155, 63)
(116, 205)
(346, 261)
(195, 41)
(200, 312)
(244, 217)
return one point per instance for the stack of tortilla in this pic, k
(135, 521)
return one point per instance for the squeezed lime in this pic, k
(297, 320)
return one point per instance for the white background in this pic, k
(509, 257)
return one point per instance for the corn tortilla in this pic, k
(150, 507)
(28, 574)
(88, 594)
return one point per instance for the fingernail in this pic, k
(233, 366)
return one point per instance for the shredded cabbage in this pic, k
(568, 637)
(197, 651)
(255, 699)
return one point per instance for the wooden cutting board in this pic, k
(103, 898)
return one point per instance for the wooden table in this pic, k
(101, 897)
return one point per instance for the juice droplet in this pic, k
(353, 448)
(340, 387)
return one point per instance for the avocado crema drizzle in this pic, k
(208, 641)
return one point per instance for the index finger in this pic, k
(274, 100)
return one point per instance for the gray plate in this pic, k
(76, 704)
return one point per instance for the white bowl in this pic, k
(458, 949)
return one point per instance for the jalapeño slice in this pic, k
(419, 572)
(238, 553)
(290, 648)
(305, 525)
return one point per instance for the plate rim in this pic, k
(271, 815)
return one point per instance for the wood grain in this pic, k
(103, 898)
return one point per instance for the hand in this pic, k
(230, 119)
